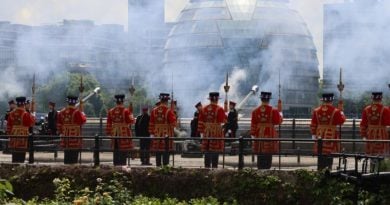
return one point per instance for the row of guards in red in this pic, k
(373, 126)
(324, 122)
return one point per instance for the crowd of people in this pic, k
(210, 121)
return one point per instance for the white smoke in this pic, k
(359, 44)
(10, 84)
(236, 78)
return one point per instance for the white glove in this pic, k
(152, 136)
(364, 138)
(342, 113)
(201, 135)
(281, 114)
(253, 137)
(229, 131)
(313, 137)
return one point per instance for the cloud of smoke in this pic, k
(9, 84)
(356, 37)
(78, 46)
(236, 78)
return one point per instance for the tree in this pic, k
(67, 83)
(64, 84)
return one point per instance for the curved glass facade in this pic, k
(263, 37)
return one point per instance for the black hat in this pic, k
(377, 95)
(119, 98)
(198, 104)
(265, 95)
(327, 97)
(71, 99)
(52, 103)
(164, 96)
(20, 100)
(11, 102)
(214, 95)
(232, 103)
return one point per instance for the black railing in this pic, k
(95, 145)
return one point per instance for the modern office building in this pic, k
(261, 37)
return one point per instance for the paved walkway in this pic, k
(229, 162)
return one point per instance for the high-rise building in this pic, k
(74, 45)
(9, 34)
(148, 32)
(355, 39)
(262, 38)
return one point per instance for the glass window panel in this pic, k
(241, 9)
(204, 40)
(187, 15)
(205, 27)
(181, 28)
(212, 13)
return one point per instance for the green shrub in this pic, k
(6, 190)
(167, 185)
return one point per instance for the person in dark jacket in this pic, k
(194, 121)
(52, 119)
(231, 126)
(142, 130)
(12, 106)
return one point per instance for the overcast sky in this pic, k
(40, 12)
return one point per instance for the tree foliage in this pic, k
(67, 83)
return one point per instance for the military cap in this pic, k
(327, 97)
(265, 95)
(71, 99)
(376, 95)
(20, 100)
(214, 95)
(164, 96)
(198, 104)
(119, 98)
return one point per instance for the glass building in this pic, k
(266, 39)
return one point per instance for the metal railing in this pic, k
(96, 145)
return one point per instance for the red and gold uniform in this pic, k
(162, 123)
(119, 120)
(264, 118)
(69, 122)
(324, 122)
(19, 122)
(375, 119)
(210, 122)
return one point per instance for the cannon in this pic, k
(94, 92)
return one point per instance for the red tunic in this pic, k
(375, 119)
(19, 121)
(119, 120)
(264, 119)
(210, 122)
(161, 124)
(69, 121)
(324, 122)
